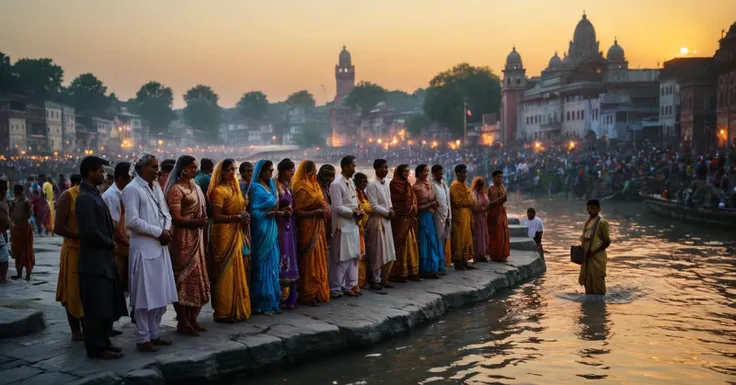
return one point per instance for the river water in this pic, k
(669, 317)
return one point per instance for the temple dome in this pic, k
(584, 32)
(615, 53)
(554, 62)
(566, 60)
(513, 58)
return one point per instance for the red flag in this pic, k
(469, 114)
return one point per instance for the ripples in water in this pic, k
(668, 317)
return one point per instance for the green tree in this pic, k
(416, 123)
(302, 99)
(153, 102)
(8, 80)
(479, 86)
(253, 105)
(309, 136)
(202, 111)
(88, 94)
(39, 79)
(365, 96)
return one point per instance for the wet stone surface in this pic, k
(261, 344)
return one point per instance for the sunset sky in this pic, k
(283, 46)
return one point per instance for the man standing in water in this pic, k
(595, 241)
(345, 250)
(152, 285)
(101, 295)
(535, 228)
(499, 247)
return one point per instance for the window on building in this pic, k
(662, 91)
(582, 114)
(568, 116)
(518, 81)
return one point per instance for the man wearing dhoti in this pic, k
(345, 248)
(151, 276)
(379, 239)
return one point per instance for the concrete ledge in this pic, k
(19, 322)
(263, 343)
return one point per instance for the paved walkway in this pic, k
(261, 343)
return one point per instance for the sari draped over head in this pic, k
(403, 226)
(313, 284)
(404, 203)
(499, 238)
(431, 255)
(265, 255)
(230, 296)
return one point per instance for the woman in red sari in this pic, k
(404, 226)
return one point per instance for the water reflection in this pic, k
(668, 317)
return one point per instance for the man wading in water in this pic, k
(593, 270)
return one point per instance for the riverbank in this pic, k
(261, 344)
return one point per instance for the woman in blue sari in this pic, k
(265, 290)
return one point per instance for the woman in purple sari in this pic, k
(288, 271)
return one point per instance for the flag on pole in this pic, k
(469, 113)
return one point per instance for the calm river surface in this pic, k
(669, 318)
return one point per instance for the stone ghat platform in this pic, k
(260, 344)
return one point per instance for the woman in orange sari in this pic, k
(480, 220)
(230, 296)
(499, 246)
(312, 214)
(404, 226)
(462, 201)
(361, 182)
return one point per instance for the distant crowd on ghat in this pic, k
(260, 243)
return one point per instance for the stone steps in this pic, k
(19, 322)
(518, 231)
(523, 243)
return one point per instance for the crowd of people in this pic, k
(171, 232)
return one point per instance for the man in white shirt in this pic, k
(113, 198)
(345, 241)
(151, 287)
(535, 227)
(443, 216)
(379, 239)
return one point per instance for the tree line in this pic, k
(442, 102)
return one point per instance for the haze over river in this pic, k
(669, 317)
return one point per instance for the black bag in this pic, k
(578, 253)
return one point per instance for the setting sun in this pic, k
(684, 51)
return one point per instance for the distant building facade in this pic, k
(53, 127)
(581, 95)
(69, 127)
(12, 126)
(725, 64)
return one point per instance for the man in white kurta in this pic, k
(345, 241)
(379, 239)
(151, 275)
(442, 215)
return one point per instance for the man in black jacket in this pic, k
(101, 294)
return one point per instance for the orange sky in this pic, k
(280, 47)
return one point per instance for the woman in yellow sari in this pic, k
(361, 182)
(312, 214)
(229, 286)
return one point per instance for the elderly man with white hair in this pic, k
(151, 277)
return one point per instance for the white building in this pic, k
(105, 129)
(69, 127)
(575, 94)
(54, 136)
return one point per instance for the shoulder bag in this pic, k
(578, 253)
